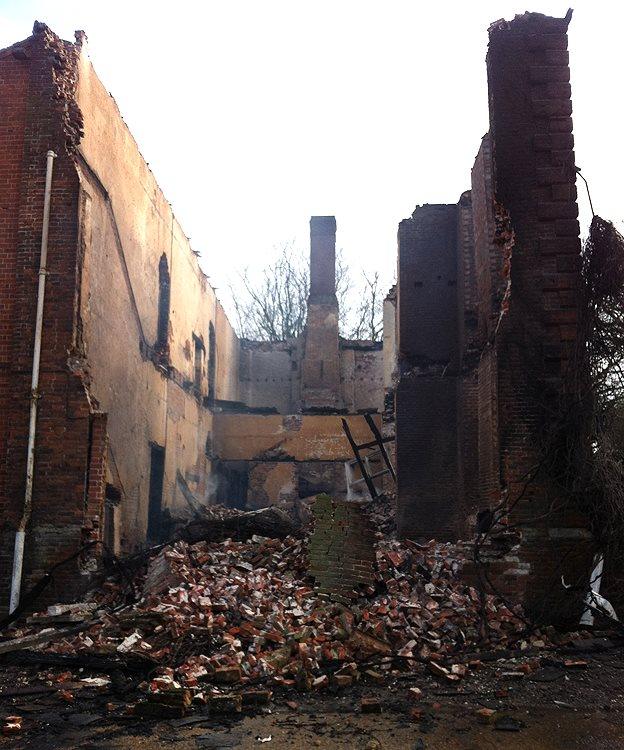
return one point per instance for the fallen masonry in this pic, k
(341, 549)
(222, 633)
(212, 620)
(480, 366)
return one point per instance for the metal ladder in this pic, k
(375, 453)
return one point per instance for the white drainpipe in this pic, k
(20, 534)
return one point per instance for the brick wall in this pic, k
(14, 81)
(489, 478)
(467, 405)
(102, 386)
(38, 80)
(96, 473)
(517, 251)
(426, 395)
(490, 266)
(270, 375)
(341, 548)
(534, 180)
(491, 276)
(319, 370)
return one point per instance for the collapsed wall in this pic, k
(484, 363)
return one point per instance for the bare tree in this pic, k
(368, 315)
(272, 305)
(343, 290)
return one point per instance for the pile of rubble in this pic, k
(213, 615)
(222, 621)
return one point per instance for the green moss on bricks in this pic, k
(341, 549)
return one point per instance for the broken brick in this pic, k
(226, 703)
(227, 675)
(370, 706)
(486, 715)
(256, 697)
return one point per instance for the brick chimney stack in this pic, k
(320, 384)
(322, 259)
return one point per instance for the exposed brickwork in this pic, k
(341, 548)
(517, 253)
(125, 299)
(467, 404)
(96, 477)
(320, 374)
(486, 319)
(490, 270)
(14, 81)
(426, 396)
(41, 76)
(534, 179)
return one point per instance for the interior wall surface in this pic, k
(283, 458)
(128, 227)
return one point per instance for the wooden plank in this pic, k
(44, 637)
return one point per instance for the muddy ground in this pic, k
(553, 707)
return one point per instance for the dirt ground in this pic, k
(554, 707)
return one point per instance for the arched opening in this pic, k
(198, 364)
(212, 363)
(164, 297)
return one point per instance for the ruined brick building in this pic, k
(146, 398)
(287, 441)
(487, 324)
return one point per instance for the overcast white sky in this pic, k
(255, 115)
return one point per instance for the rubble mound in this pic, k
(243, 612)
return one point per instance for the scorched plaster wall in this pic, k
(127, 229)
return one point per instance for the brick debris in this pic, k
(213, 616)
